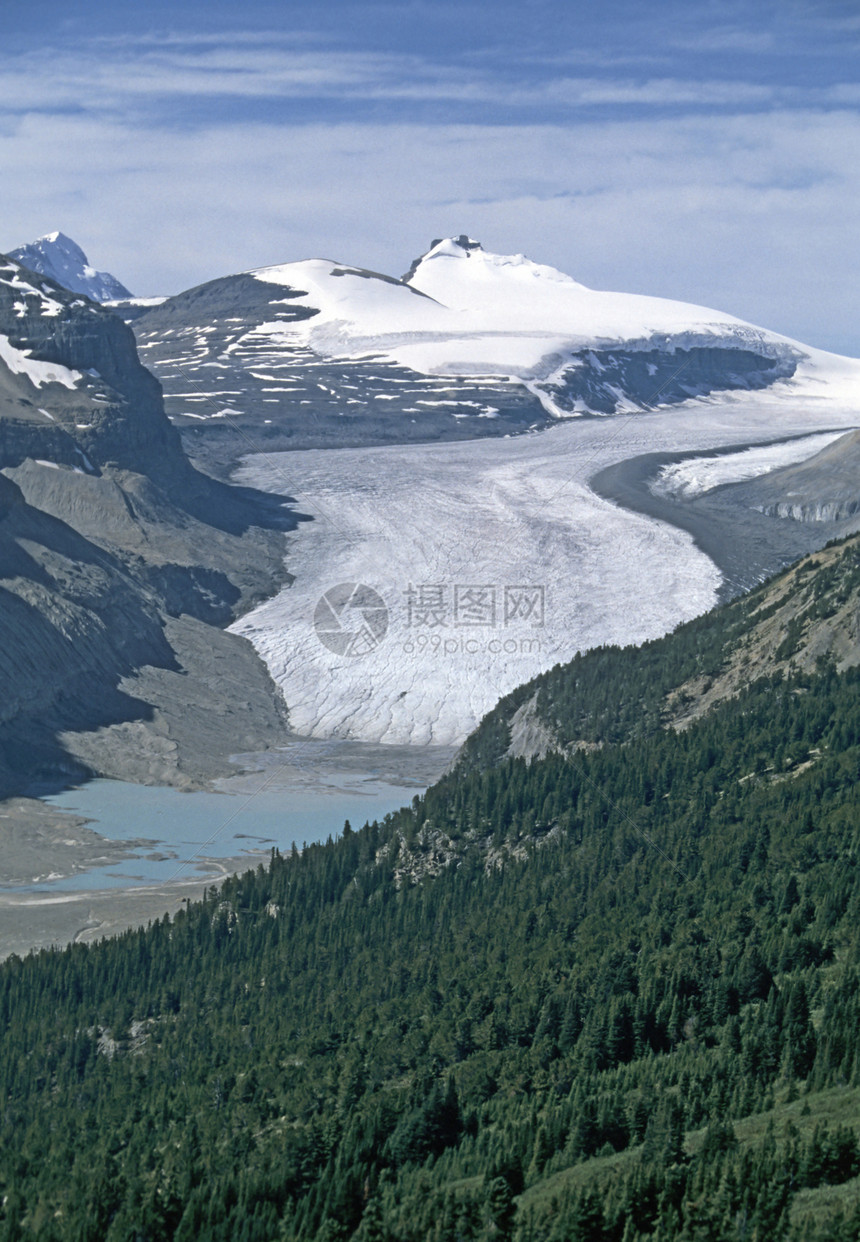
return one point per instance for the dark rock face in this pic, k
(228, 299)
(113, 412)
(116, 557)
(73, 623)
(825, 489)
(601, 379)
(465, 243)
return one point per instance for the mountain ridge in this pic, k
(779, 629)
(497, 345)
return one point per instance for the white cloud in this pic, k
(136, 74)
(656, 91)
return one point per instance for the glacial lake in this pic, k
(189, 828)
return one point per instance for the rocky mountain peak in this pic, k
(55, 255)
(78, 360)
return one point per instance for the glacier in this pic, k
(422, 524)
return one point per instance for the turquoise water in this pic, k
(196, 826)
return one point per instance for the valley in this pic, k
(496, 883)
(475, 444)
(609, 993)
(430, 622)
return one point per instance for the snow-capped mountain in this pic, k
(317, 353)
(72, 389)
(58, 257)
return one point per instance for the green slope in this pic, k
(611, 994)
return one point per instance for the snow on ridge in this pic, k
(50, 306)
(684, 480)
(472, 263)
(62, 243)
(362, 304)
(117, 303)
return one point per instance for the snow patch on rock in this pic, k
(38, 373)
(685, 479)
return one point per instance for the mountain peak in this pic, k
(59, 258)
(480, 278)
(60, 242)
(445, 247)
(450, 245)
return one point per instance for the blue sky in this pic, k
(704, 151)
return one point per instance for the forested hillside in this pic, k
(611, 994)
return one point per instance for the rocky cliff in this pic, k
(119, 563)
(72, 386)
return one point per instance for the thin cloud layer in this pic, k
(269, 67)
